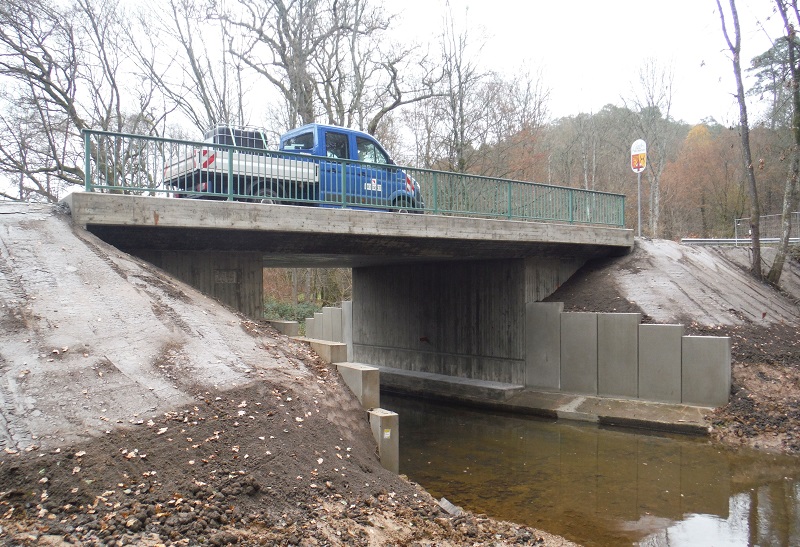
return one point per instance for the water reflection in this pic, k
(599, 486)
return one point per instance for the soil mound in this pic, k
(136, 411)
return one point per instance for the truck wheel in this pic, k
(266, 196)
(402, 205)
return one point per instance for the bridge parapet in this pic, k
(136, 164)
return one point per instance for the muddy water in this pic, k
(599, 486)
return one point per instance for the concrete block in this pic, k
(543, 344)
(364, 381)
(331, 352)
(319, 328)
(327, 323)
(579, 352)
(310, 327)
(706, 370)
(336, 325)
(289, 328)
(618, 354)
(660, 363)
(385, 426)
(347, 327)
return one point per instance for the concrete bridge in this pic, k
(442, 294)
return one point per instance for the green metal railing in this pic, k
(153, 166)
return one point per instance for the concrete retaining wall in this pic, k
(613, 355)
(605, 354)
(543, 345)
(579, 352)
(618, 354)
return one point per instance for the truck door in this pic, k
(336, 148)
(376, 181)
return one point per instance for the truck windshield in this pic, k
(303, 141)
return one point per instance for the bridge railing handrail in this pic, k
(118, 162)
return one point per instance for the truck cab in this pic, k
(356, 170)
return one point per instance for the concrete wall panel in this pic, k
(660, 363)
(543, 275)
(543, 344)
(310, 328)
(347, 327)
(618, 354)
(464, 319)
(706, 365)
(327, 324)
(233, 278)
(319, 326)
(579, 352)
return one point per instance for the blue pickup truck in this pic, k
(316, 164)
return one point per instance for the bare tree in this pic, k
(39, 57)
(791, 193)
(735, 47)
(199, 77)
(330, 59)
(462, 106)
(652, 101)
(62, 65)
(516, 116)
(280, 41)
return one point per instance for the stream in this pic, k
(599, 486)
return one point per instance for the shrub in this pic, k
(273, 309)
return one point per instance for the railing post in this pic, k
(230, 174)
(570, 205)
(509, 199)
(343, 166)
(87, 162)
(436, 193)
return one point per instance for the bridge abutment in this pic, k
(233, 278)
(464, 318)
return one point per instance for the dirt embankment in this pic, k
(710, 292)
(135, 410)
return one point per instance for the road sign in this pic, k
(638, 156)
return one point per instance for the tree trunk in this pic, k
(790, 194)
(755, 210)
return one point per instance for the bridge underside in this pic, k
(430, 293)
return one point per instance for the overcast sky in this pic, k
(590, 50)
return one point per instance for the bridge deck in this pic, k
(296, 236)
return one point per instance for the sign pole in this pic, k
(639, 201)
(638, 164)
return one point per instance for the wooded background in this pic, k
(178, 67)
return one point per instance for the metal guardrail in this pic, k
(145, 165)
(734, 241)
(769, 227)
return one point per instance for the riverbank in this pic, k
(272, 463)
(136, 411)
